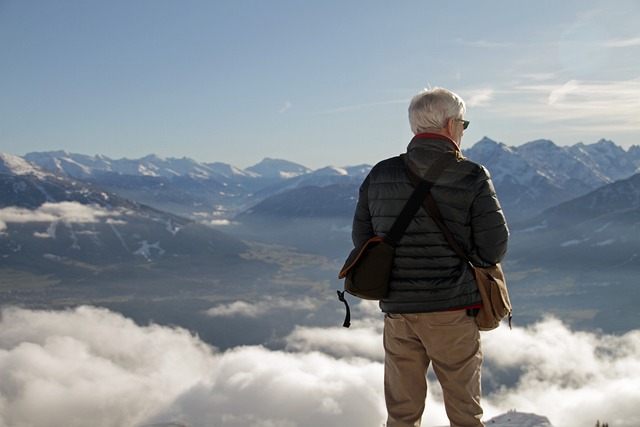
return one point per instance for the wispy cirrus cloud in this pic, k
(575, 99)
(583, 106)
(629, 42)
(479, 97)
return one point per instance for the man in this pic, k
(433, 294)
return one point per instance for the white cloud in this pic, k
(609, 101)
(338, 342)
(573, 108)
(479, 97)
(573, 378)
(559, 94)
(90, 366)
(254, 386)
(260, 308)
(629, 42)
(67, 212)
(93, 367)
(215, 222)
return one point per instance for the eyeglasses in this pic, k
(465, 123)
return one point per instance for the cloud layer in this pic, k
(65, 212)
(90, 366)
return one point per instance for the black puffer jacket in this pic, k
(427, 274)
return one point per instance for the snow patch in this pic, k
(288, 175)
(18, 166)
(603, 227)
(534, 228)
(173, 228)
(518, 419)
(572, 242)
(146, 250)
(607, 242)
(49, 234)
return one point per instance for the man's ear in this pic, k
(450, 127)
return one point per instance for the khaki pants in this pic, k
(451, 341)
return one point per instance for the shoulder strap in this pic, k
(432, 207)
(417, 199)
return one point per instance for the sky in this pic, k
(91, 366)
(317, 83)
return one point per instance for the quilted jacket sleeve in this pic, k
(362, 229)
(490, 231)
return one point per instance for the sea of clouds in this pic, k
(91, 366)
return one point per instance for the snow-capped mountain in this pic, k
(597, 232)
(529, 178)
(182, 186)
(82, 166)
(14, 165)
(276, 168)
(521, 187)
(52, 224)
(189, 188)
(580, 259)
(540, 174)
(605, 156)
(24, 185)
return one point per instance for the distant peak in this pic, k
(269, 161)
(487, 144)
(278, 167)
(606, 142)
(53, 153)
(542, 142)
(152, 158)
(487, 140)
(540, 146)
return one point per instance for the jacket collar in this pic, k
(435, 142)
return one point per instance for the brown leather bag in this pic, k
(367, 269)
(496, 304)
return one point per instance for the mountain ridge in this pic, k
(529, 178)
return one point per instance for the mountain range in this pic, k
(60, 236)
(529, 178)
(212, 230)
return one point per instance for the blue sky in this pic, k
(317, 83)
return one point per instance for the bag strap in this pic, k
(417, 198)
(432, 207)
(421, 191)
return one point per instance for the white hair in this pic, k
(430, 109)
